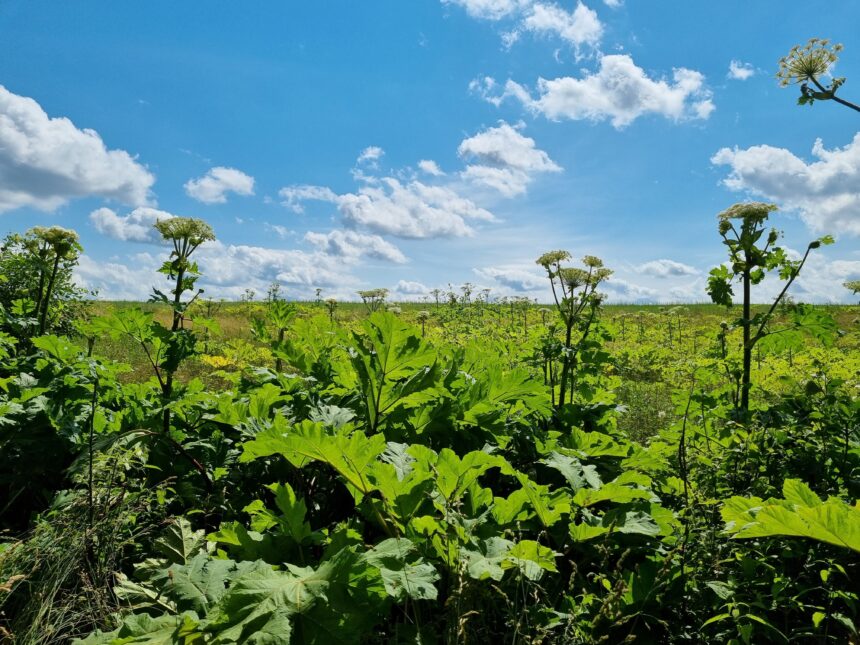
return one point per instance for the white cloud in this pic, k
(579, 27)
(45, 162)
(408, 289)
(117, 281)
(739, 71)
(430, 167)
(613, 4)
(826, 192)
(413, 210)
(212, 188)
(354, 245)
(487, 9)
(821, 279)
(504, 146)
(665, 268)
(229, 269)
(293, 196)
(433, 206)
(281, 231)
(619, 290)
(504, 159)
(137, 226)
(388, 206)
(516, 277)
(370, 155)
(619, 91)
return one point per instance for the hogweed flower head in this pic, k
(809, 62)
(62, 241)
(551, 258)
(194, 230)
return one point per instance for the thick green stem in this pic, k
(46, 300)
(747, 346)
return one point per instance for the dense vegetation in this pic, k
(461, 472)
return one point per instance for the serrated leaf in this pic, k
(800, 514)
(180, 542)
(577, 475)
(350, 454)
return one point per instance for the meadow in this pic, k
(460, 471)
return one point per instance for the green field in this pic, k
(411, 475)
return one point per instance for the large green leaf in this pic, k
(259, 604)
(403, 579)
(291, 519)
(487, 559)
(199, 584)
(577, 475)
(143, 629)
(800, 514)
(350, 454)
(548, 506)
(455, 475)
(392, 363)
(180, 542)
(611, 492)
(532, 558)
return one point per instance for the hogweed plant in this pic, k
(742, 227)
(186, 234)
(577, 300)
(807, 65)
(423, 316)
(373, 299)
(272, 329)
(853, 286)
(52, 248)
(331, 305)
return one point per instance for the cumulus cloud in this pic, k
(487, 9)
(228, 270)
(212, 188)
(578, 28)
(619, 290)
(409, 290)
(388, 206)
(370, 155)
(825, 192)
(137, 226)
(504, 159)
(114, 280)
(293, 196)
(619, 91)
(430, 167)
(516, 277)
(821, 279)
(411, 210)
(666, 268)
(613, 4)
(739, 71)
(45, 162)
(281, 231)
(354, 245)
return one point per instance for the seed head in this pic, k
(62, 241)
(750, 212)
(574, 277)
(196, 231)
(805, 63)
(551, 258)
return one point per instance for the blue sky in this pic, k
(409, 145)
